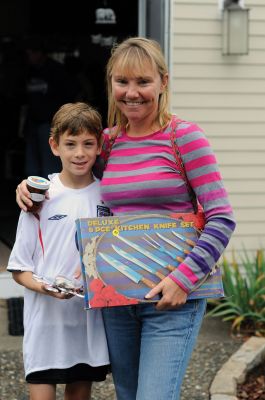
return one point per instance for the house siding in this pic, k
(225, 95)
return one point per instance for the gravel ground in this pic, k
(207, 359)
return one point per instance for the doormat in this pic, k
(15, 307)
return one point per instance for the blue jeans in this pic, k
(150, 349)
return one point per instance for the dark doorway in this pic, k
(79, 35)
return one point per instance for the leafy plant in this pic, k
(244, 301)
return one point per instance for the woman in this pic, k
(149, 345)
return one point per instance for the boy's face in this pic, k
(77, 153)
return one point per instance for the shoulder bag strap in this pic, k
(112, 138)
(180, 164)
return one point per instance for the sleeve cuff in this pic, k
(174, 279)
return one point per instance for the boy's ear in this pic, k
(100, 144)
(54, 146)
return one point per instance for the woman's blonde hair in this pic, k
(76, 118)
(130, 55)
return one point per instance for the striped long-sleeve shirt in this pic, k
(141, 176)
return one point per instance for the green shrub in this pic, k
(244, 301)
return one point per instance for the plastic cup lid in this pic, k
(38, 182)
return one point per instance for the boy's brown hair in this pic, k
(76, 118)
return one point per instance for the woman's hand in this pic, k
(172, 295)
(23, 196)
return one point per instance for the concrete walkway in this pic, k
(7, 342)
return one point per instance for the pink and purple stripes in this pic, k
(141, 176)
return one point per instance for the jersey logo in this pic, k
(57, 217)
(103, 211)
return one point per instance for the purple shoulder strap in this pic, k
(173, 137)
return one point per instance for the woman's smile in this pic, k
(133, 103)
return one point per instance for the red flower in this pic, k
(96, 285)
(108, 292)
(197, 219)
(98, 301)
(107, 296)
(121, 300)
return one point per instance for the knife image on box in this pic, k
(172, 243)
(127, 271)
(188, 241)
(138, 262)
(152, 242)
(146, 253)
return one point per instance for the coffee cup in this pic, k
(37, 186)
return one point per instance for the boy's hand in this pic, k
(56, 293)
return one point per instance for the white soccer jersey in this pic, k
(57, 333)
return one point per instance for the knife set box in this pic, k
(123, 257)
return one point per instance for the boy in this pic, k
(62, 343)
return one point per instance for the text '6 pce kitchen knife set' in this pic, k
(124, 257)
